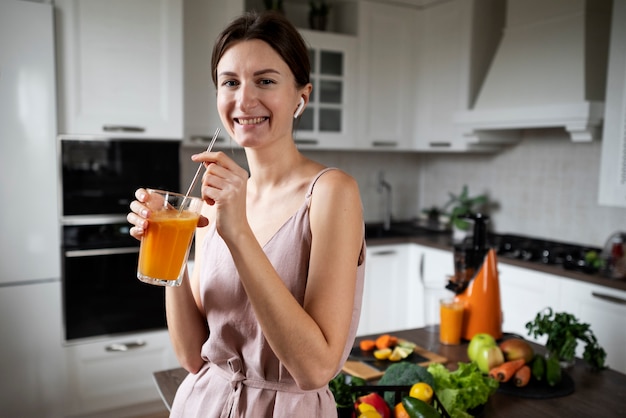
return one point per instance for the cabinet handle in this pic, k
(385, 252)
(421, 272)
(609, 298)
(306, 141)
(440, 144)
(123, 128)
(207, 139)
(391, 144)
(123, 347)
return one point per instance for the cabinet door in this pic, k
(31, 353)
(393, 294)
(328, 121)
(203, 21)
(524, 293)
(117, 373)
(436, 266)
(386, 72)
(120, 67)
(612, 189)
(604, 309)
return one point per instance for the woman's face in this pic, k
(256, 93)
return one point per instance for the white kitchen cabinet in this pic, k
(524, 293)
(116, 373)
(203, 21)
(604, 309)
(329, 120)
(386, 73)
(393, 292)
(120, 68)
(31, 353)
(435, 268)
(612, 187)
(453, 44)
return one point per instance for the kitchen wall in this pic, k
(545, 186)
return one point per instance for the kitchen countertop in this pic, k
(595, 393)
(442, 240)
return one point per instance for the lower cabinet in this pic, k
(524, 293)
(435, 267)
(116, 373)
(393, 294)
(604, 309)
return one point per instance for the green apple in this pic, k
(488, 358)
(477, 343)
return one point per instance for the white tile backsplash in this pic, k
(545, 186)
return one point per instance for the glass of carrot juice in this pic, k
(451, 321)
(166, 242)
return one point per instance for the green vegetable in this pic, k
(404, 374)
(539, 367)
(563, 331)
(416, 408)
(553, 371)
(340, 387)
(463, 389)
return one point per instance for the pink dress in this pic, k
(242, 377)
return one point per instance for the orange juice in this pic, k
(451, 322)
(165, 245)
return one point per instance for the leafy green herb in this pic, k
(463, 389)
(341, 386)
(564, 331)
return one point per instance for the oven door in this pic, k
(102, 295)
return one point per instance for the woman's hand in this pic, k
(224, 186)
(140, 213)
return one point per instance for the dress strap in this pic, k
(310, 192)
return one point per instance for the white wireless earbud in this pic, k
(300, 108)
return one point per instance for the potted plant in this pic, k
(564, 332)
(318, 14)
(276, 5)
(463, 205)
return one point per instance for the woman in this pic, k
(270, 312)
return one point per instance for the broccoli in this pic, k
(404, 374)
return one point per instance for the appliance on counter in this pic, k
(31, 353)
(101, 293)
(476, 283)
(614, 256)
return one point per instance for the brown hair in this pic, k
(272, 28)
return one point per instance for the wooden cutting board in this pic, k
(364, 365)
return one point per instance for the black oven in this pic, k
(101, 293)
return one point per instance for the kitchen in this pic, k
(546, 185)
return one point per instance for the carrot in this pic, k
(384, 341)
(367, 345)
(522, 376)
(506, 370)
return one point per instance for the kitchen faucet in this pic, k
(385, 187)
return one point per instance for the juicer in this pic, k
(476, 283)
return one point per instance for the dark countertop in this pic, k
(442, 240)
(598, 394)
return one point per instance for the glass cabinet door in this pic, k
(325, 122)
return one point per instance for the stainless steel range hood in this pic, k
(549, 71)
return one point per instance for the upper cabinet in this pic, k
(203, 21)
(454, 43)
(120, 68)
(385, 74)
(613, 164)
(329, 119)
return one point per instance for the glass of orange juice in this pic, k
(451, 321)
(166, 243)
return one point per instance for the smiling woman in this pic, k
(270, 312)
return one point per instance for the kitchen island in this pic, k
(596, 394)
